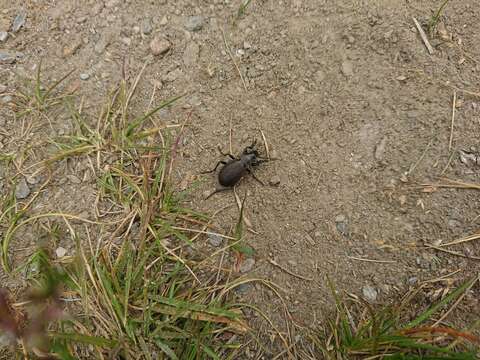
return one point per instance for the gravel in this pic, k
(247, 265)
(159, 45)
(215, 240)
(195, 23)
(3, 36)
(370, 293)
(347, 68)
(84, 76)
(19, 21)
(7, 57)
(22, 190)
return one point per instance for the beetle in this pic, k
(237, 167)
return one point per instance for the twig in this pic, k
(454, 103)
(267, 150)
(273, 262)
(462, 240)
(233, 59)
(423, 36)
(372, 260)
(452, 252)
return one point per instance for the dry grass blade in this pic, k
(274, 263)
(372, 260)
(462, 240)
(455, 184)
(423, 36)
(451, 252)
(454, 104)
(233, 59)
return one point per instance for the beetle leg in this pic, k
(226, 154)
(254, 176)
(217, 191)
(215, 168)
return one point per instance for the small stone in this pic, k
(380, 149)
(147, 27)
(7, 57)
(32, 180)
(412, 281)
(341, 225)
(173, 75)
(164, 21)
(369, 293)
(401, 78)
(275, 180)
(247, 265)
(247, 45)
(22, 190)
(84, 76)
(112, 3)
(60, 252)
(194, 23)
(215, 240)
(72, 47)
(19, 21)
(242, 289)
(190, 56)
(347, 68)
(159, 45)
(3, 88)
(6, 99)
(3, 36)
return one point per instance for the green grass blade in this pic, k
(84, 339)
(430, 311)
(166, 349)
(136, 123)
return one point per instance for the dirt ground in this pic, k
(351, 103)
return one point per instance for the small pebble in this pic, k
(3, 88)
(380, 149)
(215, 240)
(22, 190)
(347, 68)
(159, 45)
(147, 27)
(247, 265)
(19, 21)
(194, 23)
(6, 99)
(164, 21)
(32, 180)
(242, 289)
(412, 281)
(84, 76)
(369, 293)
(3, 36)
(60, 252)
(7, 57)
(275, 180)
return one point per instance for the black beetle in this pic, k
(233, 170)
